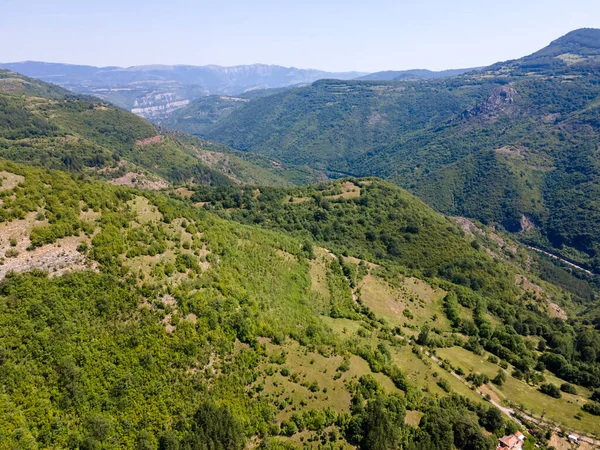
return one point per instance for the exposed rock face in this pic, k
(157, 105)
(526, 224)
(502, 101)
(155, 91)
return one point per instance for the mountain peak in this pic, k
(584, 42)
(583, 37)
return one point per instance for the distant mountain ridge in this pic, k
(417, 74)
(45, 125)
(154, 91)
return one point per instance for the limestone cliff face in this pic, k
(155, 91)
(158, 104)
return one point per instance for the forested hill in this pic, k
(513, 144)
(132, 319)
(45, 125)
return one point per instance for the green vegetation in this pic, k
(170, 336)
(218, 315)
(551, 390)
(186, 328)
(514, 144)
(47, 126)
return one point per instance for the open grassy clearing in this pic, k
(145, 211)
(426, 374)
(9, 181)
(343, 327)
(308, 380)
(562, 411)
(349, 190)
(413, 304)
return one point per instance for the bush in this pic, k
(313, 387)
(345, 366)
(477, 379)
(444, 385)
(592, 408)
(551, 390)
(500, 378)
(568, 388)
(289, 428)
(11, 253)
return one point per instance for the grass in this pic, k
(9, 181)
(320, 295)
(413, 418)
(349, 190)
(144, 210)
(422, 374)
(562, 411)
(304, 368)
(416, 296)
(344, 327)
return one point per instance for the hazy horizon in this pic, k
(334, 36)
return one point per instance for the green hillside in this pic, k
(159, 291)
(47, 126)
(203, 112)
(132, 319)
(514, 144)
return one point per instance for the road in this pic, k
(539, 250)
(510, 412)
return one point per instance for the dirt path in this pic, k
(510, 412)
(560, 259)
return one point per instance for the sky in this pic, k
(333, 35)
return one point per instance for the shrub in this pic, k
(500, 378)
(493, 359)
(551, 390)
(345, 366)
(11, 253)
(444, 385)
(478, 379)
(568, 388)
(592, 408)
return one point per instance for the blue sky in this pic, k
(335, 35)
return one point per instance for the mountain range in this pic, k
(513, 144)
(155, 91)
(163, 291)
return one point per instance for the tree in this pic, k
(215, 428)
(568, 388)
(492, 420)
(468, 435)
(452, 308)
(423, 338)
(592, 408)
(380, 426)
(500, 378)
(436, 424)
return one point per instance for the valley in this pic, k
(507, 144)
(402, 260)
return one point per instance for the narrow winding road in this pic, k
(539, 250)
(510, 412)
